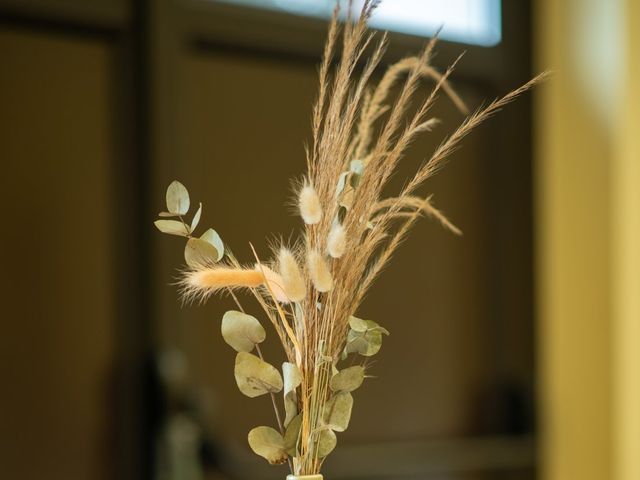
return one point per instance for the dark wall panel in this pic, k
(56, 290)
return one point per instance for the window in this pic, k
(476, 22)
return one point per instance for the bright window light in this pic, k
(476, 22)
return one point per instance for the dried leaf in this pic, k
(347, 380)
(342, 181)
(292, 435)
(357, 167)
(371, 325)
(196, 218)
(358, 324)
(365, 343)
(177, 198)
(292, 379)
(197, 253)
(269, 444)
(364, 337)
(172, 227)
(214, 239)
(326, 442)
(347, 198)
(337, 412)
(241, 331)
(256, 377)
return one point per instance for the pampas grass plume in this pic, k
(293, 280)
(309, 205)
(319, 271)
(337, 241)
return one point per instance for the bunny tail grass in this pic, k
(293, 280)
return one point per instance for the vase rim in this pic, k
(305, 477)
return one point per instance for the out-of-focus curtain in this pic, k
(588, 237)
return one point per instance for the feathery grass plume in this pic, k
(337, 241)
(292, 278)
(202, 282)
(319, 271)
(309, 205)
(360, 134)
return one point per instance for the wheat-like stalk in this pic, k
(311, 291)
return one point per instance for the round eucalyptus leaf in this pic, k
(371, 325)
(172, 227)
(177, 198)
(197, 253)
(366, 344)
(214, 239)
(347, 380)
(337, 411)
(357, 167)
(292, 434)
(196, 218)
(241, 331)
(358, 324)
(167, 214)
(326, 442)
(269, 444)
(256, 377)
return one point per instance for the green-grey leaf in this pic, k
(358, 324)
(292, 379)
(371, 325)
(326, 442)
(342, 180)
(347, 380)
(366, 344)
(167, 214)
(196, 218)
(357, 167)
(197, 252)
(337, 412)
(177, 198)
(241, 331)
(214, 239)
(292, 434)
(269, 444)
(256, 377)
(172, 227)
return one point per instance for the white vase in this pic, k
(304, 477)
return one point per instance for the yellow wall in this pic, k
(588, 237)
(626, 258)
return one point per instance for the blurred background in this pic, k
(515, 349)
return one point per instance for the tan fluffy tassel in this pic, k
(199, 284)
(274, 283)
(337, 241)
(309, 205)
(218, 278)
(319, 272)
(294, 284)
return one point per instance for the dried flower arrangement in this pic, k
(311, 291)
